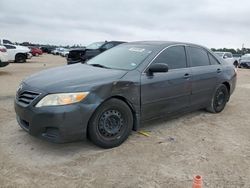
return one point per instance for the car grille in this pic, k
(26, 97)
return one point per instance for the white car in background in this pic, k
(64, 53)
(16, 53)
(3, 57)
(228, 57)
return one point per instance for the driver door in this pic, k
(164, 93)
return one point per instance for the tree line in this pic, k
(233, 51)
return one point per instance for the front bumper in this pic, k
(55, 123)
(28, 55)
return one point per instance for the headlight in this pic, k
(62, 99)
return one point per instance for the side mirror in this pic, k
(157, 67)
(225, 57)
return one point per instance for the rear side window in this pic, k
(9, 46)
(174, 57)
(199, 57)
(212, 59)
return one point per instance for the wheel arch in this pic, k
(227, 85)
(130, 105)
(20, 53)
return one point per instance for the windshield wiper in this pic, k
(99, 65)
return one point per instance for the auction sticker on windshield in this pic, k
(136, 49)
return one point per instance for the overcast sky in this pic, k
(213, 23)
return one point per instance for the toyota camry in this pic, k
(115, 92)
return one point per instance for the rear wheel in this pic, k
(20, 58)
(111, 124)
(219, 99)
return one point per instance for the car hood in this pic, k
(72, 78)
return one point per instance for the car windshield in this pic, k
(245, 58)
(220, 54)
(125, 57)
(95, 46)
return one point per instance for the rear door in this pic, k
(11, 51)
(163, 93)
(204, 75)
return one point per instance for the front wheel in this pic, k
(20, 58)
(219, 99)
(111, 124)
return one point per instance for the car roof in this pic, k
(163, 43)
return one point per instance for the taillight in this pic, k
(3, 50)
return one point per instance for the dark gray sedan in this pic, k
(119, 89)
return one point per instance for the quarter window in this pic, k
(212, 59)
(199, 57)
(174, 57)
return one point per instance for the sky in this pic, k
(212, 23)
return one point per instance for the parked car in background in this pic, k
(35, 51)
(92, 50)
(237, 57)
(75, 54)
(17, 53)
(58, 51)
(64, 53)
(228, 57)
(245, 62)
(4, 61)
(47, 49)
(111, 94)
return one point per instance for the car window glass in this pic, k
(174, 57)
(108, 46)
(6, 41)
(199, 57)
(229, 55)
(9, 46)
(212, 59)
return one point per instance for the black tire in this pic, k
(111, 124)
(219, 99)
(20, 58)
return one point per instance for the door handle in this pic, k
(218, 70)
(186, 76)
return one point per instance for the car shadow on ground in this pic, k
(4, 73)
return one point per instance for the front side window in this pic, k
(198, 56)
(174, 57)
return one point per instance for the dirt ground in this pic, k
(216, 146)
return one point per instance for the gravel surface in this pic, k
(216, 146)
